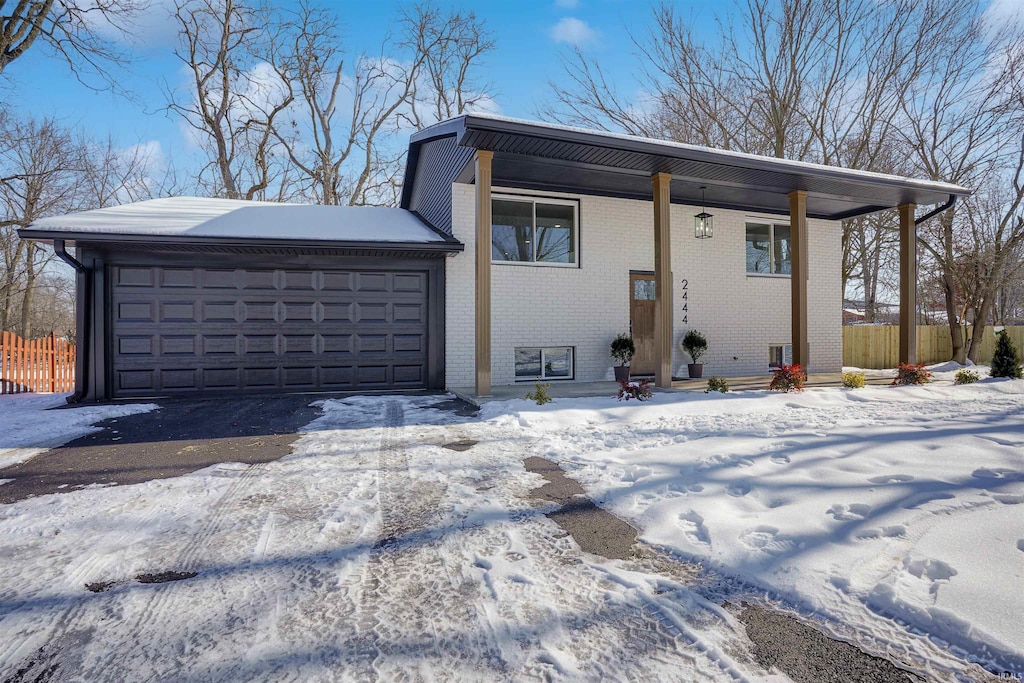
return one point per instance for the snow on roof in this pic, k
(738, 156)
(230, 218)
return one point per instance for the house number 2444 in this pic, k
(684, 296)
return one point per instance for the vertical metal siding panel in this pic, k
(440, 161)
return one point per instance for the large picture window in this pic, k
(768, 249)
(552, 362)
(540, 231)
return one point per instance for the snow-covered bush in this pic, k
(853, 380)
(1006, 359)
(717, 384)
(911, 373)
(787, 378)
(540, 394)
(641, 390)
(966, 376)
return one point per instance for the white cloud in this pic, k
(567, 4)
(152, 26)
(573, 31)
(1001, 11)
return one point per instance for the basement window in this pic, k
(779, 355)
(548, 362)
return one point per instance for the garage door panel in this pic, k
(181, 330)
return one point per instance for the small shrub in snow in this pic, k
(641, 390)
(787, 378)
(540, 394)
(910, 373)
(966, 376)
(1006, 359)
(853, 380)
(717, 384)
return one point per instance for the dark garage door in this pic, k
(187, 330)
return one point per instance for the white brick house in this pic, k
(765, 287)
(741, 314)
(519, 252)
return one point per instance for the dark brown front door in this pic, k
(641, 322)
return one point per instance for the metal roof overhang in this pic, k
(247, 245)
(542, 157)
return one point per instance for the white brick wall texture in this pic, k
(586, 307)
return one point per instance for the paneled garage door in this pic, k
(187, 330)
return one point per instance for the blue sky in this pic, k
(530, 35)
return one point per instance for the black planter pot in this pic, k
(696, 370)
(621, 373)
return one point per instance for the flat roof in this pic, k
(537, 155)
(204, 219)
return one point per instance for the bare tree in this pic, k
(76, 31)
(961, 120)
(39, 166)
(349, 111)
(239, 85)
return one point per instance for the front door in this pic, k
(641, 322)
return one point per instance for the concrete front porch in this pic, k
(609, 389)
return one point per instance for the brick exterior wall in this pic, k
(586, 307)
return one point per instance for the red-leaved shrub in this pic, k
(909, 373)
(788, 378)
(641, 390)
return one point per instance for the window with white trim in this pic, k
(779, 355)
(768, 249)
(536, 231)
(548, 362)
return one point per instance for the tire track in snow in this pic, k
(157, 605)
(414, 616)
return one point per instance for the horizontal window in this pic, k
(768, 249)
(525, 230)
(549, 362)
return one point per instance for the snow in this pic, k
(852, 174)
(228, 218)
(28, 427)
(899, 502)
(892, 516)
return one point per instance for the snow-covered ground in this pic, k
(892, 516)
(904, 502)
(28, 428)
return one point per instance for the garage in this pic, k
(186, 330)
(194, 296)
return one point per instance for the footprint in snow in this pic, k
(1000, 473)
(738, 490)
(895, 531)
(854, 512)
(767, 539)
(891, 479)
(692, 525)
(780, 459)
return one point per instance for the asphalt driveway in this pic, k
(181, 436)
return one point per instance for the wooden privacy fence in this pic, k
(46, 364)
(877, 346)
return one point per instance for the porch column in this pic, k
(483, 272)
(662, 282)
(908, 284)
(798, 277)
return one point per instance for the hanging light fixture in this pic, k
(703, 222)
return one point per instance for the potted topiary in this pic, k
(623, 351)
(695, 345)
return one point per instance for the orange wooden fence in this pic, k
(46, 364)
